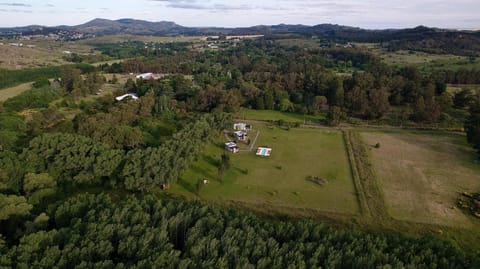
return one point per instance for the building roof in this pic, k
(145, 75)
(240, 133)
(121, 97)
(231, 144)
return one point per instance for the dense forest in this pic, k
(96, 231)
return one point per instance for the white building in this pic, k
(231, 146)
(242, 126)
(131, 95)
(145, 76)
(241, 135)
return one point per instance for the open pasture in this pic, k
(281, 179)
(421, 175)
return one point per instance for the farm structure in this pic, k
(241, 136)
(242, 126)
(231, 146)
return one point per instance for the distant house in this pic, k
(241, 135)
(145, 76)
(264, 152)
(242, 126)
(231, 146)
(131, 95)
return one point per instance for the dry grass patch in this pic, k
(14, 91)
(421, 175)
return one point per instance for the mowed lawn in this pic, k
(421, 175)
(281, 179)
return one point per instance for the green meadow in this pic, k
(281, 179)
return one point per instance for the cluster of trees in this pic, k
(131, 49)
(77, 86)
(98, 231)
(261, 74)
(71, 159)
(9, 78)
(32, 99)
(163, 165)
(472, 124)
(74, 160)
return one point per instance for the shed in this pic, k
(241, 126)
(231, 146)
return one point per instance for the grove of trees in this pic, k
(98, 231)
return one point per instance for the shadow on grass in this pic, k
(202, 172)
(211, 160)
(187, 186)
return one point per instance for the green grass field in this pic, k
(422, 175)
(272, 115)
(281, 179)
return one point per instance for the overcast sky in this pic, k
(372, 14)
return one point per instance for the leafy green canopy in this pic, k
(93, 231)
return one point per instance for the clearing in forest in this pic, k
(14, 91)
(288, 178)
(421, 175)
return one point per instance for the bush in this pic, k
(41, 82)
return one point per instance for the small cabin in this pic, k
(242, 127)
(240, 136)
(231, 146)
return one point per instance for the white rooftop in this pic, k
(121, 97)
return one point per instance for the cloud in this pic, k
(19, 11)
(203, 5)
(15, 4)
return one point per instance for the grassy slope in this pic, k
(280, 180)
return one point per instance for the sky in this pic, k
(370, 14)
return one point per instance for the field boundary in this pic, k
(372, 195)
(362, 201)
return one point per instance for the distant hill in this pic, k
(418, 38)
(127, 26)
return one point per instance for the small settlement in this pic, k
(240, 134)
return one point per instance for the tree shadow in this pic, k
(211, 160)
(202, 172)
(187, 186)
